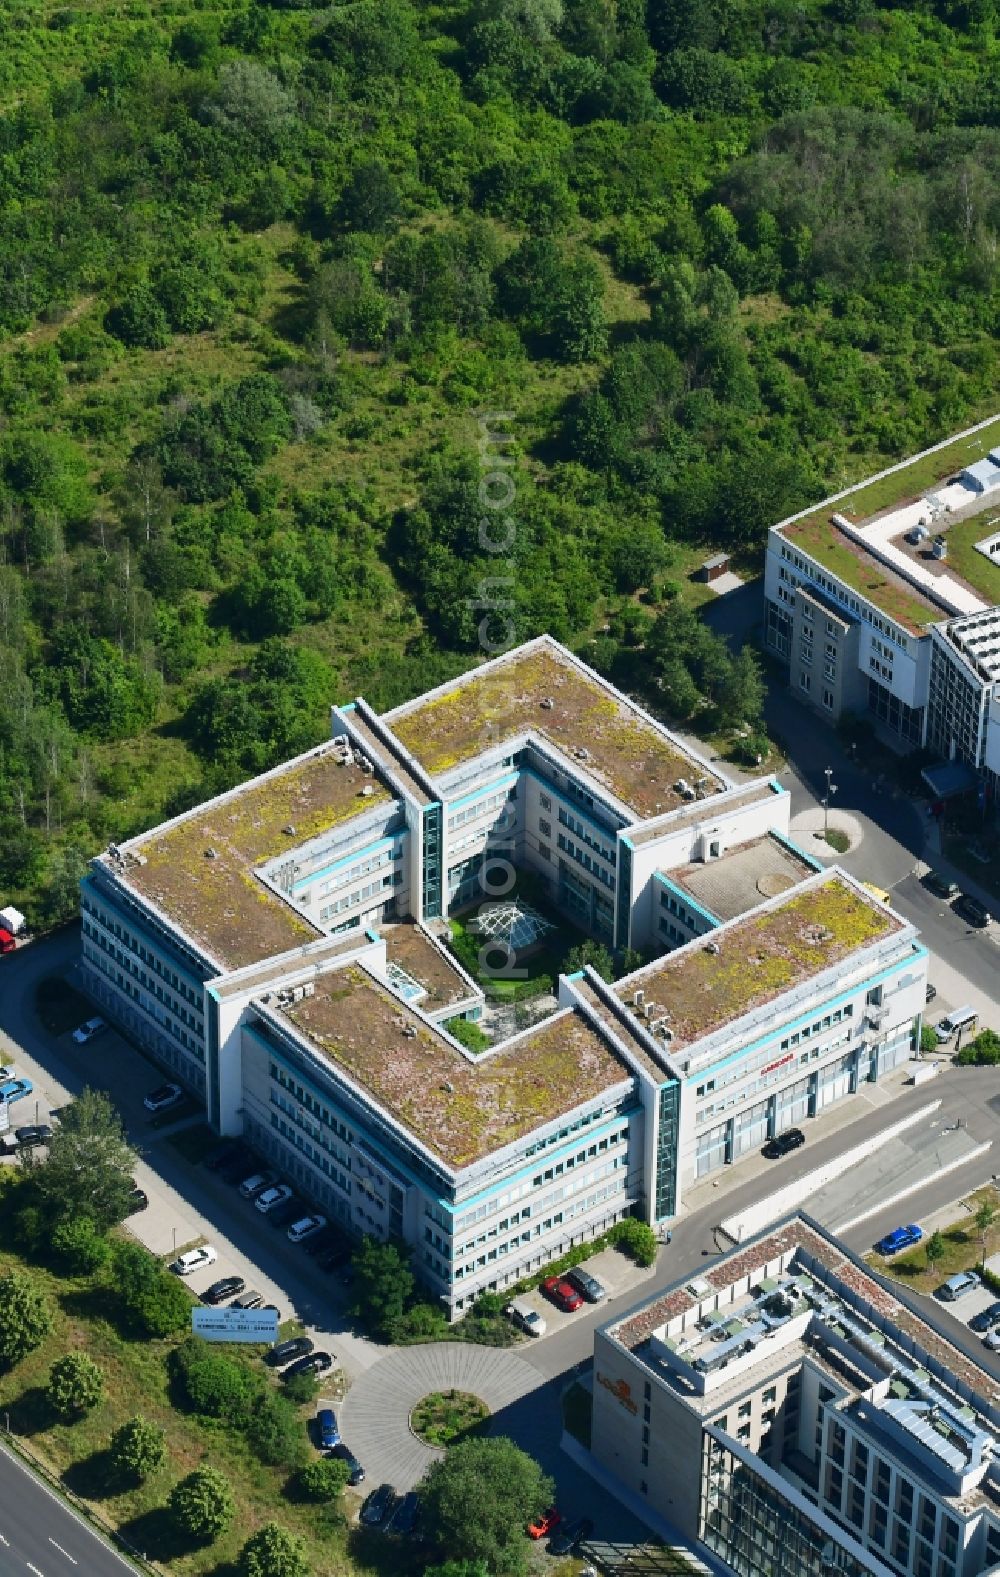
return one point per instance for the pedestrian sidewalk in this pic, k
(935, 857)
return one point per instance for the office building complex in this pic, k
(884, 600)
(787, 1413)
(282, 951)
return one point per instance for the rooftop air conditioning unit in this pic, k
(638, 999)
(138, 859)
(713, 948)
(211, 854)
(650, 1010)
(684, 788)
(410, 1031)
(290, 830)
(365, 764)
(297, 993)
(547, 704)
(309, 990)
(114, 852)
(367, 790)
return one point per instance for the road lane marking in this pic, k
(34, 1569)
(4, 1541)
(59, 1547)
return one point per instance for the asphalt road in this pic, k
(40, 1534)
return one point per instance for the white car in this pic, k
(194, 1259)
(272, 1197)
(92, 1028)
(163, 1097)
(307, 1227)
(992, 1339)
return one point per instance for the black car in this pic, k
(138, 1200)
(783, 1144)
(585, 1284)
(345, 1454)
(379, 1506)
(225, 1288)
(36, 1133)
(284, 1352)
(985, 1319)
(282, 1215)
(972, 910)
(320, 1243)
(313, 1363)
(566, 1538)
(931, 992)
(226, 1155)
(404, 1518)
(336, 1258)
(939, 885)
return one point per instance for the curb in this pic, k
(913, 1188)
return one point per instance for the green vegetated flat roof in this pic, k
(639, 764)
(982, 574)
(460, 1110)
(816, 534)
(219, 902)
(760, 957)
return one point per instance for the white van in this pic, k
(527, 1318)
(961, 1018)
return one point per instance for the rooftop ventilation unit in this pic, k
(365, 764)
(367, 790)
(448, 1087)
(211, 854)
(114, 852)
(939, 548)
(290, 829)
(410, 1031)
(297, 993)
(582, 753)
(650, 1010)
(309, 989)
(713, 948)
(342, 750)
(638, 999)
(660, 1027)
(684, 788)
(547, 704)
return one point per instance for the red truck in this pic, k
(7, 942)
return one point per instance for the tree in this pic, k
(275, 1432)
(986, 1217)
(741, 695)
(983, 1050)
(81, 1247)
(636, 1238)
(383, 1283)
(928, 1038)
(323, 1479)
(76, 1385)
(935, 1248)
(88, 1172)
(202, 1504)
(273, 1552)
(139, 320)
(478, 1501)
(137, 1449)
(156, 1301)
(25, 1320)
(592, 953)
(370, 201)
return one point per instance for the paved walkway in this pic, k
(374, 1417)
(808, 824)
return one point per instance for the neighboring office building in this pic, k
(884, 599)
(788, 1414)
(275, 948)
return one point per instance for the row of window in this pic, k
(360, 895)
(586, 860)
(688, 917)
(835, 589)
(312, 1103)
(374, 862)
(541, 1228)
(318, 1159)
(482, 807)
(149, 958)
(574, 824)
(192, 1041)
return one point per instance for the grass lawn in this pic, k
(963, 1249)
(136, 1380)
(444, 1417)
(837, 840)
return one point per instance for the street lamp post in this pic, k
(175, 1242)
(831, 789)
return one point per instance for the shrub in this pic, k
(75, 1385)
(25, 1320)
(221, 1388)
(302, 1387)
(637, 1239)
(202, 1504)
(156, 1301)
(322, 1479)
(80, 1246)
(272, 1552)
(983, 1051)
(275, 1433)
(137, 1449)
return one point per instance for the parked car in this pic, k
(940, 886)
(992, 1339)
(336, 1258)
(404, 1518)
(783, 1144)
(321, 1243)
(587, 1285)
(985, 1319)
(12, 1090)
(256, 1183)
(34, 1134)
(313, 1363)
(220, 1290)
(957, 1286)
(972, 910)
(286, 1211)
(957, 1019)
(898, 1238)
(344, 1454)
(163, 1097)
(8, 942)
(305, 1227)
(272, 1196)
(284, 1352)
(194, 1259)
(562, 1294)
(379, 1507)
(930, 993)
(248, 1300)
(138, 1200)
(226, 1154)
(326, 1428)
(89, 1031)
(543, 1525)
(525, 1317)
(566, 1538)
(239, 1167)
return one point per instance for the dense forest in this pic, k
(262, 265)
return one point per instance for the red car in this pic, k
(543, 1525)
(562, 1294)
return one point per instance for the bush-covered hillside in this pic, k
(260, 265)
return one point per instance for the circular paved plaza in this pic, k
(374, 1419)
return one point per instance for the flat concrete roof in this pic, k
(743, 877)
(706, 812)
(541, 689)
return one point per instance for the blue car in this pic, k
(902, 1237)
(326, 1425)
(15, 1089)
